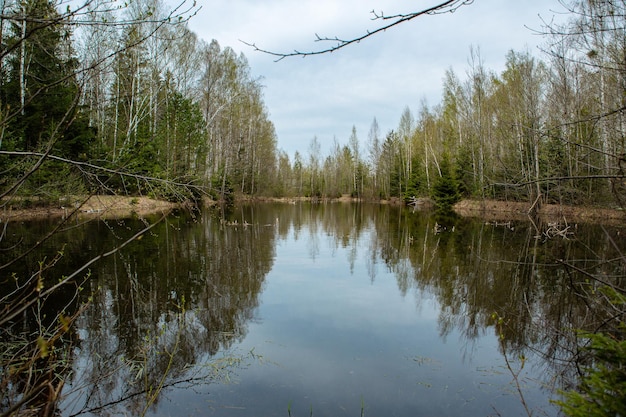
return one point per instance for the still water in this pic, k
(323, 310)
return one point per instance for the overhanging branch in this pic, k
(104, 169)
(449, 6)
(561, 178)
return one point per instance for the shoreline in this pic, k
(92, 207)
(491, 210)
(110, 207)
(507, 210)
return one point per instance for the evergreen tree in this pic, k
(463, 172)
(446, 186)
(416, 181)
(40, 94)
(41, 87)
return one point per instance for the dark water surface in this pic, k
(328, 310)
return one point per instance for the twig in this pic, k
(448, 6)
(532, 208)
(103, 169)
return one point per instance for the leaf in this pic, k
(65, 322)
(42, 344)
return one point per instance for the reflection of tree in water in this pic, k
(482, 272)
(508, 277)
(191, 289)
(37, 310)
(165, 306)
(487, 277)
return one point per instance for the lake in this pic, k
(322, 309)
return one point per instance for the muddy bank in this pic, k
(94, 207)
(124, 206)
(505, 210)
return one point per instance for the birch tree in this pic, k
(47, 144)
(356, 163)
(590, 48)
(314, 181)
(374, 153)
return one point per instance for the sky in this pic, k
(324, 96)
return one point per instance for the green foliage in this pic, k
(602, 390)
(416, 183)
(40, 106)
(499, 131)
(78, 138)
(463, 172)
(222, 189)
(414, 186)
(180, 135)
(53, 181)
(446, 187)
(47, 86)
(395, 181)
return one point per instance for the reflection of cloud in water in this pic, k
(343, 302)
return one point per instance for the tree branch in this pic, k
(103, 169)
(12, 313)
(449, 6)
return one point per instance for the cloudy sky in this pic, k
(324, 96)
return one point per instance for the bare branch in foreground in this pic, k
(104, 169)
(17, 309)
(449, 6)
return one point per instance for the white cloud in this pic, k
(325, 95)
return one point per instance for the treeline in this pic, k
(552, 128)
(110, 98)
(117, 96)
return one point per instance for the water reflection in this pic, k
(161, 308)
(331, 307)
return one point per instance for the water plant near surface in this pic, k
(35, 347)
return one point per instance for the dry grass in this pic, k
(99, 206)
(109, 206)
(507, 210)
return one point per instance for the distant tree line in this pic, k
(122, 95)
(548, 131)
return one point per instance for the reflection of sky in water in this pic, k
(331, 339)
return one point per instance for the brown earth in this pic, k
(96, 207)
(123, 206)
(507, 210)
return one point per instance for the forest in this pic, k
(107, 99)
(110, 97)
(118, 97)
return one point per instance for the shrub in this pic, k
(602, 389)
